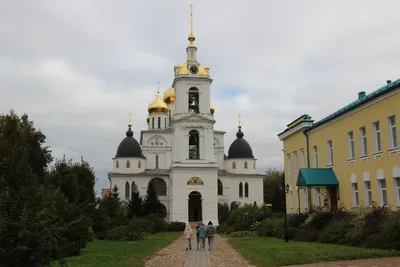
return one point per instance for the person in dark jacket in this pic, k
(210, 234)
(197, 235)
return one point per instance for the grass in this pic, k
(101, 253)
(262, 251)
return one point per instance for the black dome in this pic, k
(239, 148)
(129, 147)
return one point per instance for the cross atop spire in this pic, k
(239, 125)
(191, 37)
(158, 86)
(130, 120)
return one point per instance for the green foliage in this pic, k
(151, 203)
(306, 235)
(335, 232)
(242, 234)
(274, 189)
(222, 228)
(242, 218)
(134, 207)
(176, 226)
(125, 233)
(318, 220)
(271, 227)
(223, 212)
(390, 231)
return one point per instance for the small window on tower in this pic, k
(152, 123)
(139, 164)
(193, 100)
(233, 165)
(159, 122)
(117, 164)
(245, 164)
(156, 161)
(128, 164)
(194, 145)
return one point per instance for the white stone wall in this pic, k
(157, 144)
(231, 190)
(240, 166)
(134, 165)
(154, 117)
(219, 149)
(180, 195)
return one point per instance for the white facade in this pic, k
(185, 154)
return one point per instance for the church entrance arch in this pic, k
(195, 207)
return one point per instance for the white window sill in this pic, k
(351, 161)
(378, 154)
(395, 150)
(364, 158)
(330, 166)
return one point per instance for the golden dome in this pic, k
(184, 70)
(212, 109)
(158, 105)
(169, 95)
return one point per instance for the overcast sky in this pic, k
(79, 67)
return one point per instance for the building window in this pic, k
(165, 123)
(117, 164)
(127, 190)
(305, 198)
(397, 188)
(368, 193)
(393, 133)
(139, 164)
(128, 164)
(240, 190)
(363, 140)
(159, 186)
(315, 150)
(134, 188)
(152, 123)
(289, 165)
(350, 137)
(246, 190)
(383, 191)
(356, 199)
(291, 200)
(245, 164)
(159, 122)
(194, 145)
(233, 165)
(193, 100)
(220, 188)
(157, 162)
(302, 158)
(318, 196)
(330, 153)
(377, 137)
(296, 167)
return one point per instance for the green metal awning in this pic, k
(316, 176)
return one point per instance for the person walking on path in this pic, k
(210, 235)
(197, 234)
(188, 237)
(202, 235)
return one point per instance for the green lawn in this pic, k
(262, 251)
(101, 253)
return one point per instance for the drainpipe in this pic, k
(308, 166)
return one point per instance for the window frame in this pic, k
(377, 137)
(363, 141)
(330, 152)
(315, 152)
(355, 194)
(351, 146)
(393, 139)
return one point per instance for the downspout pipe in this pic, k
(308, 166)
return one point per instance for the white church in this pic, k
(182, 155)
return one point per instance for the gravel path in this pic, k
(223, 255)
(174, 255)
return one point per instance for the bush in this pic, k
(176, 226)
(153, 223)
(242, 218)
(295, 220)
(390, 233)
(306, 235)
(222, 228)
(271, 228)
(223, 212)
(125, 233)
(355, 235)
(318, 220)
(242, 234)
(335, 232)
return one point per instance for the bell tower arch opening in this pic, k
(193, 100)
(194, 145)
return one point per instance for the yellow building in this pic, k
(349, 158)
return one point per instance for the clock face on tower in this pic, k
(194, 69)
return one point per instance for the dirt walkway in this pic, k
(383, 262)
(174, 255)
(223, 255)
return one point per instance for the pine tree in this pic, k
(135, 204)
(151, 203)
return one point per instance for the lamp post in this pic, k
(287, 187)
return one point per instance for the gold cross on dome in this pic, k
(130, 119)
(158, 86)
(191, 19)
(239, 125)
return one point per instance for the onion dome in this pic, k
(212, 109)
(129, 146)
(158, 105)
(239, 148)
(169, 95)
(184, 70)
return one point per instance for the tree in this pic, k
(274, 189)
(134, 207)
(151, 203)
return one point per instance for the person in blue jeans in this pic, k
(202, 235)
(197, 235)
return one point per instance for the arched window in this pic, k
(159, 185)
(127, 190)
(246, 190)
(165, 123)
(233, 165)
(117, 164)
(139, 164)
(220, 188)
(245, 164)
(194, 145)
(152, 123)
(134, 187)
(128, 164)
(159, 122)
(193, 100)
(240, 190)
